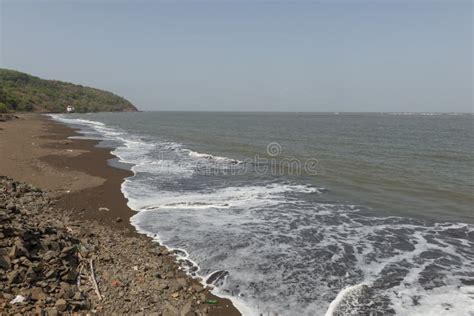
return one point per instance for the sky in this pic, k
(369, 56)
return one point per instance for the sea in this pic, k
(305, 213)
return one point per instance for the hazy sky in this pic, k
(247, 55)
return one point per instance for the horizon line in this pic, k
(325, 112)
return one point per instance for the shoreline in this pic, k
(77, 174)
(93, 161)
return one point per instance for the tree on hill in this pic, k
(22, 92)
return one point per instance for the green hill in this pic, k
(25, 93)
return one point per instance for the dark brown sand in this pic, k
(92, 161)
(36, 150)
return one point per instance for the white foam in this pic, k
(212, 157)
(143, 198)
(443, 301)
(344, 294)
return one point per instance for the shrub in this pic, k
(3, 108)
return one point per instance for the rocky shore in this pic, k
(51, 264)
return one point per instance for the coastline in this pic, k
(78, 176)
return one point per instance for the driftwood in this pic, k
(80, 268)
(94, 282)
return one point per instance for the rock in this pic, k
(217, 277)
(61, 305)
(71, 275)
(11, 206)
(25, 262)
(177, 284)
(52, 311)
(182, 281)
(118, 220)
(5, 262)
(81, 304)
(68, 250)
(37, 294)
(116, 283)
(170, 310)
(50, 255)
(197, 287)
(13, 277)
(51, 274)
(103, 209)
(48, 243)
(31, 275)
(106, 257)
(77, 296)
(186, 309)
(7, 296)
(15, 252)
(65, 292)
(163, 286)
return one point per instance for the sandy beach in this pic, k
(86, 193)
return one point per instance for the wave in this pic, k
(213, 158)
(143, 197)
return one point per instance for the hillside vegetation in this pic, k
(25, 93)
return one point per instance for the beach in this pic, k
(273, 243)
(85, 192)
(309, 158)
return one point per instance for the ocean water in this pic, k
(306, 213)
